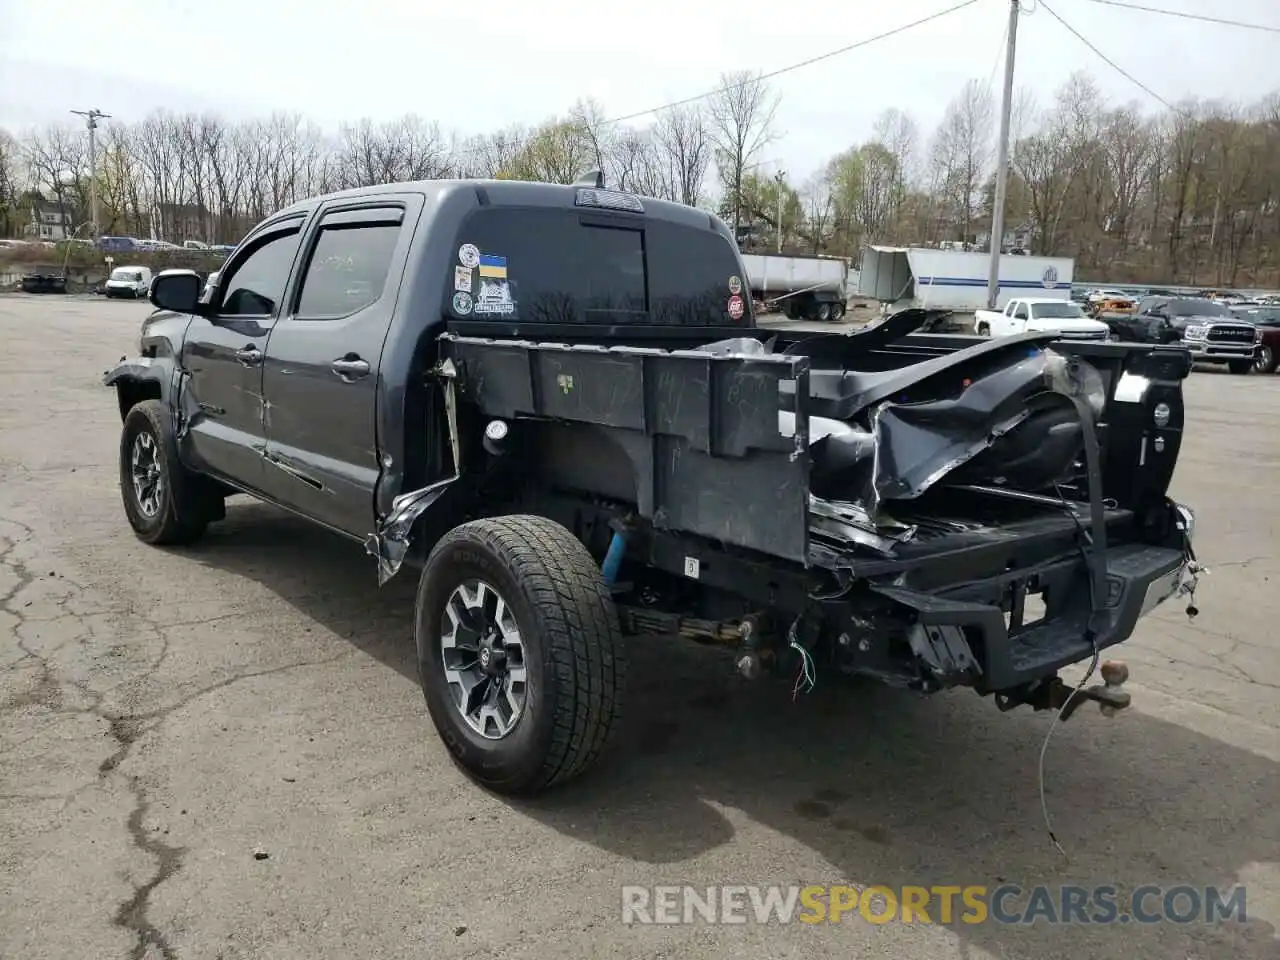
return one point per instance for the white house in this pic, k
(49, 222)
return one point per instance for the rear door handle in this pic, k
(249, 356)
(350, 368)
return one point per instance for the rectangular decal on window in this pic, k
(493, 267)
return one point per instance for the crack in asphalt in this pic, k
(125, 730)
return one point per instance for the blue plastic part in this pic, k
(613, 559)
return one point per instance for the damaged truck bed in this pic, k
(889, 507)
(555, 403)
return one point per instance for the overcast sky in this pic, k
(478, 67)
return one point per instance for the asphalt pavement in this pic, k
(222, 751)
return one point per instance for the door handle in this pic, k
(350, 368)
(249, 356)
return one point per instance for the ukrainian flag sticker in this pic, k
(493, 267)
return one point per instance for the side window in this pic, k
(1021, 312)
(348, 268)
(256, 285)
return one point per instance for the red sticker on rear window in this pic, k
(735, 307)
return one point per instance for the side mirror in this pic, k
(177, 290)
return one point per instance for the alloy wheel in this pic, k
(148, 480)
(483, 658)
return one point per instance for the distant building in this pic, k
(49, 221)
(177, 222)
(1017, 238)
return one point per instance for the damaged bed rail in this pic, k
(700, 428)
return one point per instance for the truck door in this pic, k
(1018, 322)
(320, 376)
(222, 357)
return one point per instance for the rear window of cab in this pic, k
(540, 265)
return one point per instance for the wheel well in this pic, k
(131, 391)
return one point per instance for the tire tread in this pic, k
(579, 629)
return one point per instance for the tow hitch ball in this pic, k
(1110, 695)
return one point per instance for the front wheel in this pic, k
(984, 329)
(1265, 361)
(520, 652)
(165, 502)
(1240, 367)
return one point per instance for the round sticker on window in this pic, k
(462, 303)
(735, 307)
(735, 286)
(469, 255)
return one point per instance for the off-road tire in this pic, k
(1240, 367)
(574, 655)
(187, 503)
(1265, 362)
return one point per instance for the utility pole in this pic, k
(1002, 163)
(780, 178)
(91, 118)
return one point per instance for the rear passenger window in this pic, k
(348, 269)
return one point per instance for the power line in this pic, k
(796, 66)
(757, 78)
(1107, 60)
(1204, 18)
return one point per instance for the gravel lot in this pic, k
(164, 714)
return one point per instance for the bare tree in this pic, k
(119, 181)
(899, 134)
(684, 146)
(878, 201)
(740, 116)
(57, 162)
(819, 208)
(11, 218)
(961, 153)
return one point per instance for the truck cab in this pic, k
(1039, 314)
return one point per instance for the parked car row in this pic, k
(1245, 338)
(1212, 331)
(119, 244)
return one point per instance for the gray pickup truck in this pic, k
(555, 402)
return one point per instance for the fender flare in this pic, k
(142, 378)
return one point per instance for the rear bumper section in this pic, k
(982, 633)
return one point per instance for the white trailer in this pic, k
(901, 277)
(814, 288)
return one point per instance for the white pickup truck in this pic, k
(1031, 314)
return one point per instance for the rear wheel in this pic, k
(837, 311)
(1265, 361)
(1240, 366)
(519, 652)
